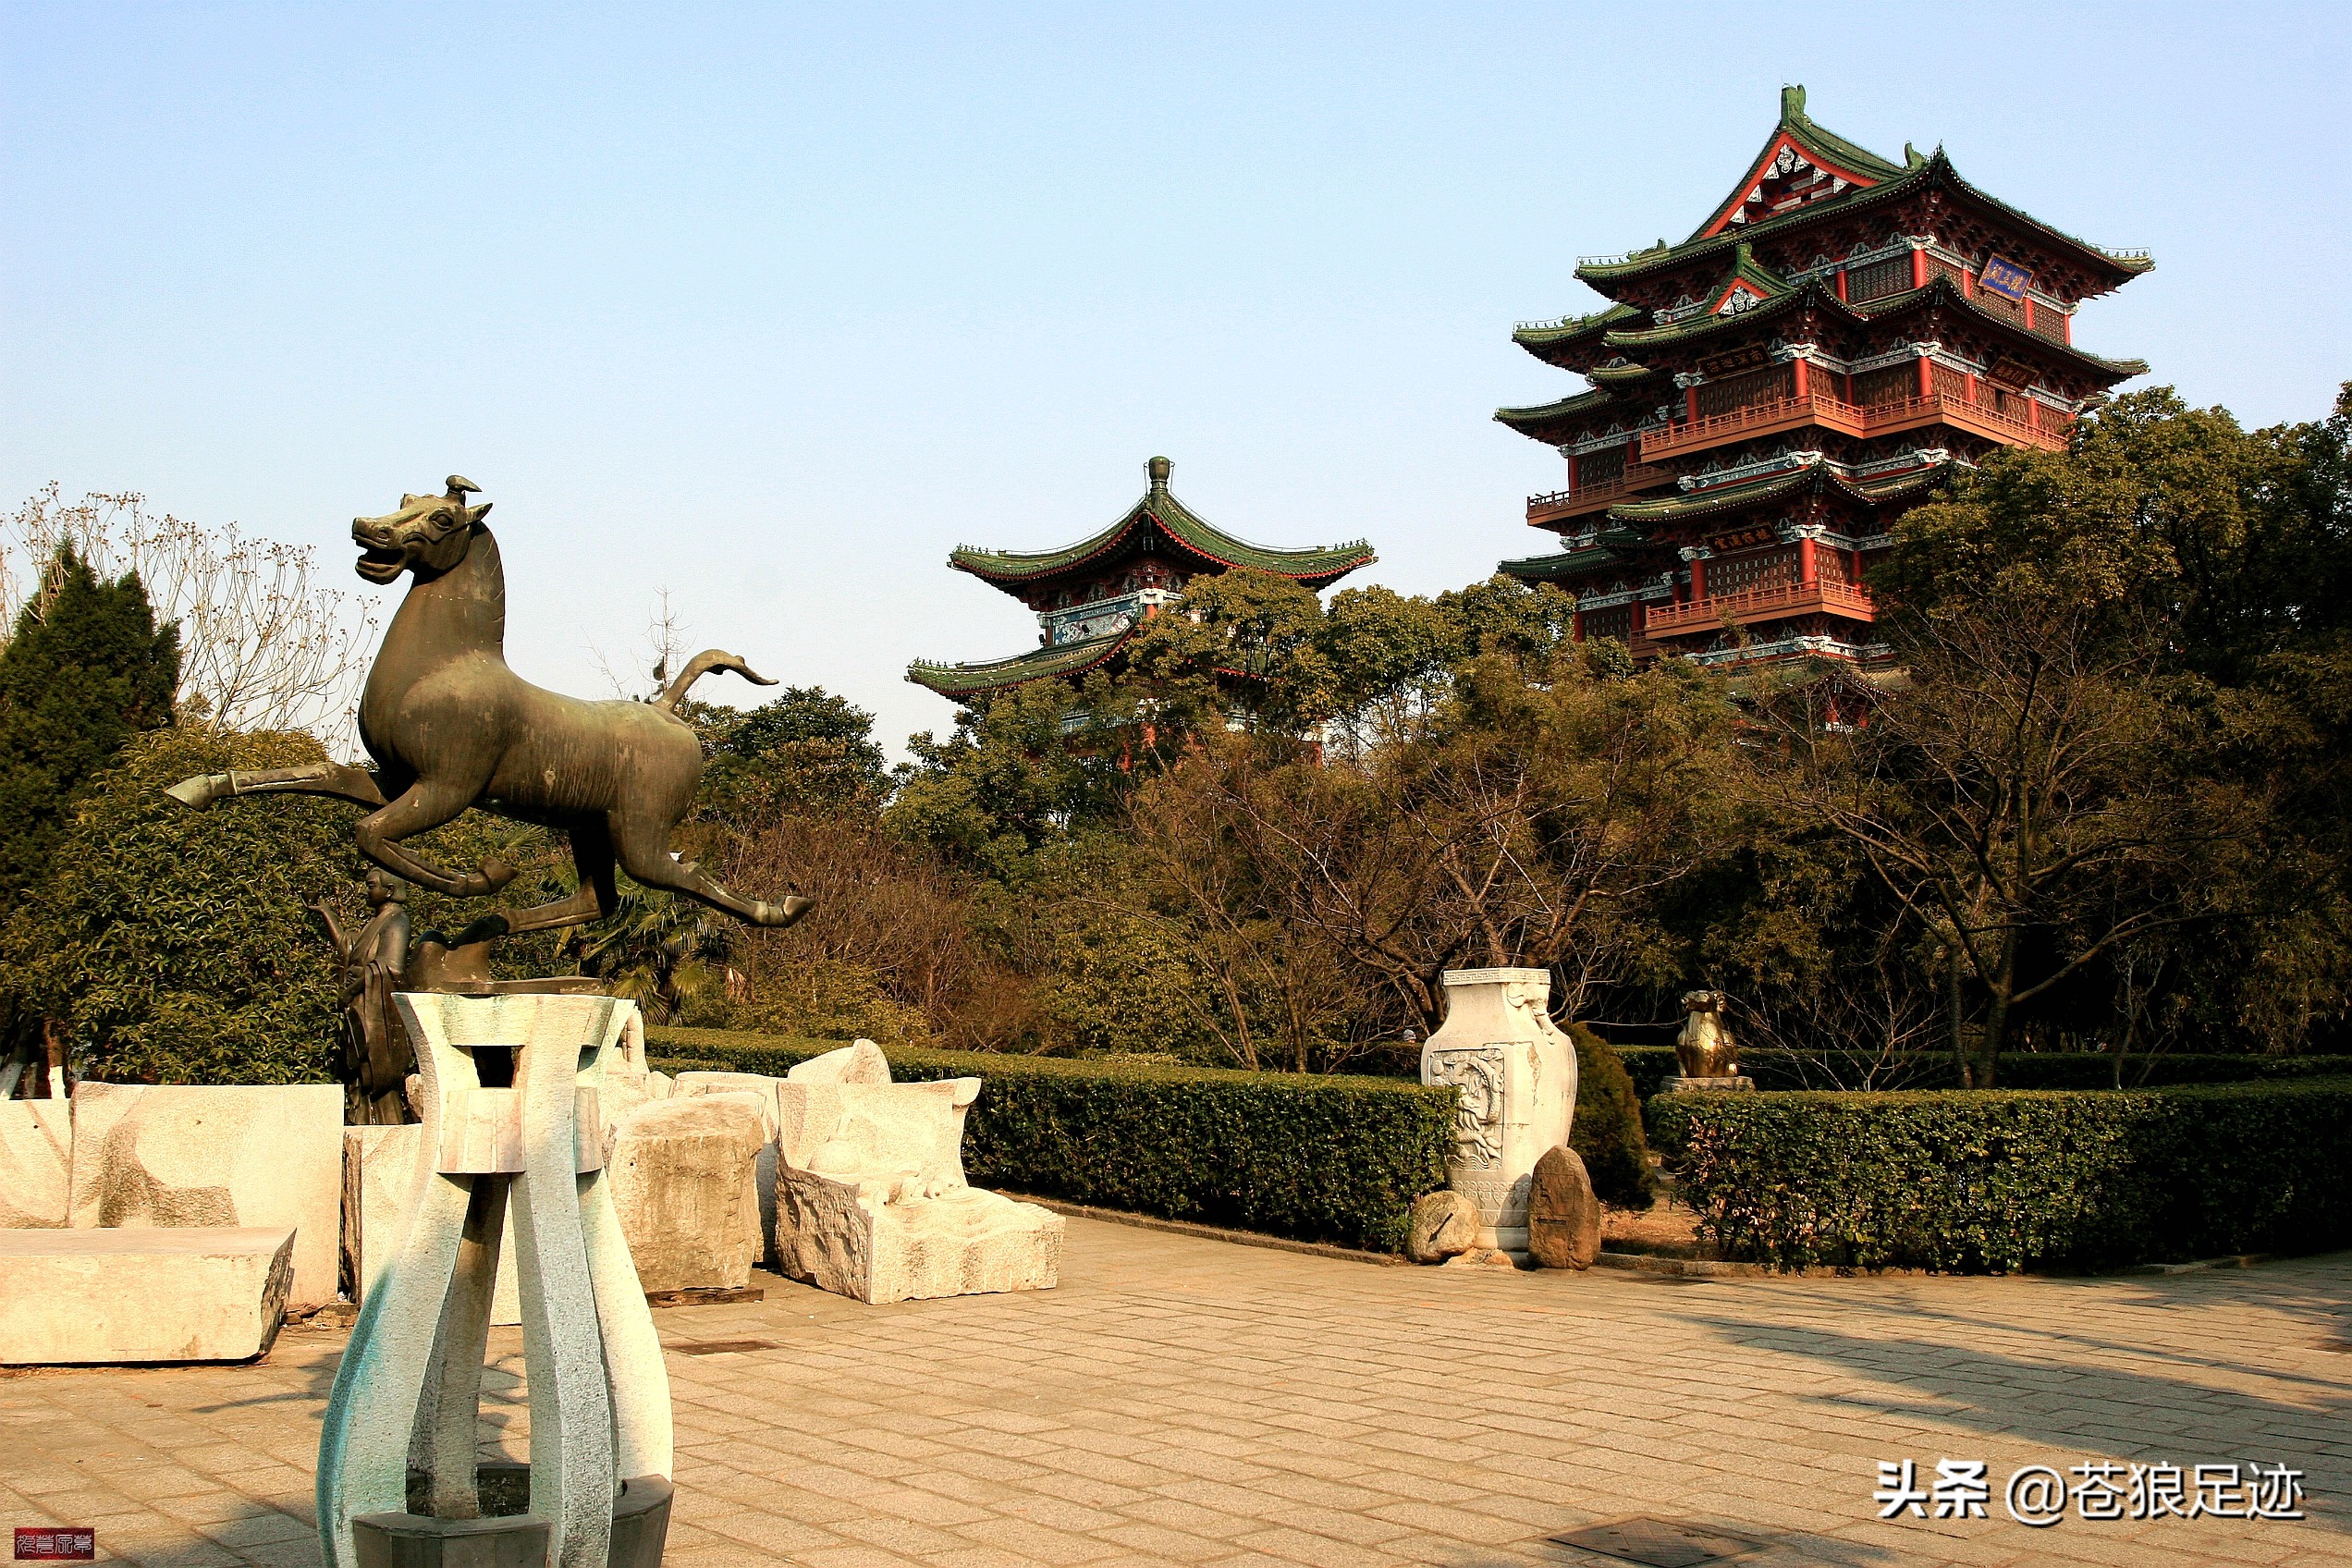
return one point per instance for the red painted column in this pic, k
(1802, 390)
(1572, 474)
(1972, 386)
(1926, 378)
(1841, 283)
(1918, 268)
(2024, 310)
(1698, 578)
(1690, 404)
(1807, 569)
(1576, 627)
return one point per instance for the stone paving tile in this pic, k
(1179, 1401)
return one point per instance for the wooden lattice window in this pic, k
(2000, 305)
(1833, 566)
(1895, 384)
(1617, 623)
(1597, 469)
(1949, 383)
(1878, 279)
(1746, 391)
(1939, 267)
(2049, 323)
(1765, 569)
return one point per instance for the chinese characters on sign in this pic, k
(2039, 1495)
(38, 1545)
(2005, 278)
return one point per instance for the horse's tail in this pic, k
(702, 663)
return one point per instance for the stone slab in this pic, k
(168, 1155)
(1677, 1085)
(79, 1297)
(683, 1174)
(1563, 1216)
(379, 1164)
(36, 1164)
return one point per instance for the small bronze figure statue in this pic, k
(377, 1055)
(450, 727)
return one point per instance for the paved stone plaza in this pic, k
(1185, 1400)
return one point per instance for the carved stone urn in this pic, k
(1517, 1075)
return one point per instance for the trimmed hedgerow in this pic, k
(1322, 1158)
(1649, 1066)
(2003, 1180)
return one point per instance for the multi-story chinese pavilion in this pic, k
(1089, 598)
(1767, 395)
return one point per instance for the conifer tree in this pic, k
(86, 669)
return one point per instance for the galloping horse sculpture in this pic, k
(450, 727)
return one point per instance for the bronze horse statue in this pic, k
(450, 727)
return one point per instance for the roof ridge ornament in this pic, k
(1159, 468)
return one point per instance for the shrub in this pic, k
(1320, 1157)
(1607, 1133)
(1651, 1065)
(2002, 1180)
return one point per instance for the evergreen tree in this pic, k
(87, 669)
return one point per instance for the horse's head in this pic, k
(429, 535)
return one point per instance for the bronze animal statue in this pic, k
(450, 727)
(1704, 1048)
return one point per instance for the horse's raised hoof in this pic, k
(495, 874)
(791, 909)
(202, 791)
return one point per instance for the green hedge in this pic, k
(1651, 1065)
(1319, 1158)
(2005, 1180)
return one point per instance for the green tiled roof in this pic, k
(1820, 145)
(1582, 402)
(969, 679)
(1560, 564)
(1573, 328)
(1618, 375)
(1944, 289)
(1934, 168)
(1772, 488)
(1317, 566)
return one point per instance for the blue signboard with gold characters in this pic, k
(2005, 278)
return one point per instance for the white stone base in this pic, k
(74, 1297)
(847, 1237)
(1680, 1085)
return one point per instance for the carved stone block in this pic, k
(1517, 1076)
(175, 1155)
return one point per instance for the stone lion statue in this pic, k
(1704, 1047)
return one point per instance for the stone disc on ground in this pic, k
(1563, 1217)
(1444, 1224)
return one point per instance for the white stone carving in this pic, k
(179, 1154)
(1517, 1075)
(870, 1199)
(599, 1396)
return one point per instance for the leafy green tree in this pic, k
(805, 749)
(86, 669)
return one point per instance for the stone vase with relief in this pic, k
(1516, 1073)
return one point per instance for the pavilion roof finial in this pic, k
(1159, 468)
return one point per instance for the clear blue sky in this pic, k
(774, 306)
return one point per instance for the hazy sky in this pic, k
(772, 307)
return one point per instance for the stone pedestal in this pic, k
(1517, 1075)
(407, 1394)
(1681, 1085)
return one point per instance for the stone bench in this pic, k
(80, 1296)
